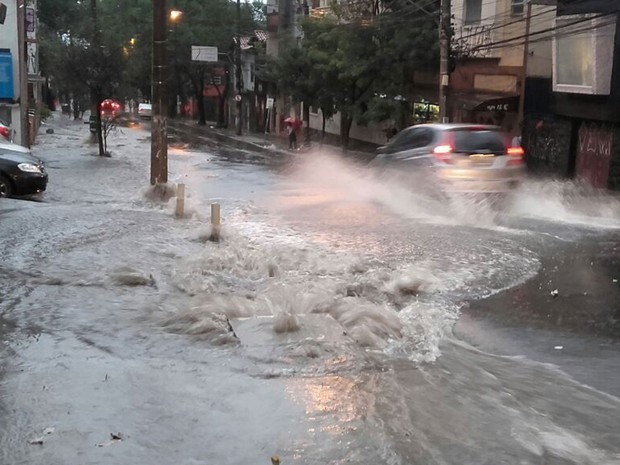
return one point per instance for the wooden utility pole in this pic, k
(526, 53)
(444, 55)
(238, 66)
(159, 122)
(23, 73)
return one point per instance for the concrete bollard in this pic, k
(215, 222)
(179, 211)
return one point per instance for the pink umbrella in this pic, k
(293, 122)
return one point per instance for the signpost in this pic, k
(204, 53)
(269, 108)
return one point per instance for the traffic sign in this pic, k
(200, 53)
(238, 98)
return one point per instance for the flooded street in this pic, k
(345, 317)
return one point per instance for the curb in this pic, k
(214, 135)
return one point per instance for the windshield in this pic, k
(478, 141)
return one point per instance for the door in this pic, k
(594, 154)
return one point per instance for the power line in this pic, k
(552, 29)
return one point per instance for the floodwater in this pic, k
(329, 325)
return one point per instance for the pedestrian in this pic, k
(292, 137)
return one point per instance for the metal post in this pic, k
(215, 222)
(444, 51)
(238, 63)
(23, 73)
(159, 130)
(526, 52)
(179, 211)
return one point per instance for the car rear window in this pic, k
(478, 141)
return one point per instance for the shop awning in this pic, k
(504, 104)
(487, 102)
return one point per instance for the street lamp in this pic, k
(175, 16)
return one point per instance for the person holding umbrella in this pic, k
(291, 125)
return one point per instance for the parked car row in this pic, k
(21, 173)
(463, 158)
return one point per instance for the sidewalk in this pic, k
(257, 142)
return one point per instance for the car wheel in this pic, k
(5, 187)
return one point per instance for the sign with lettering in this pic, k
(203, 53)
(501, 104)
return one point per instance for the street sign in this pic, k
(269, 103)
(202, 53)
(237, 98)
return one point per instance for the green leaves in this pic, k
(361, 60)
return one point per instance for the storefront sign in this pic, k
(6, 76)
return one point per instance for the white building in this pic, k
(19, 79)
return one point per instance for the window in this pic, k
(518, 7)
(475, 141)
(583, 52)
(575, 59)
(473, 11)
(409, 139)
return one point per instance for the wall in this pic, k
(539, 62)
(483, 31)
(374, 134)
(548, 141)
(499, 24)
(8, 40)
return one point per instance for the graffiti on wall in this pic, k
(594, 153)
(547, 144)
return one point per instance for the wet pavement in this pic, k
(345, 317)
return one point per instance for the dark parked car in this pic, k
(461, 157)
(20, 172)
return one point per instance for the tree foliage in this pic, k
(361, 60)
(97, 49)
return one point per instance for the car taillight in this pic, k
(443, 153)
(515, 156)
(5, 132)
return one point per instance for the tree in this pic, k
(83, 54)
(210, 24)
(361, 61)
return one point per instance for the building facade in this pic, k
(20, 79)
(488, 53)
(572, 121)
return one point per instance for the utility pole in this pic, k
(23, 73)
(526, 53)
(238, 66)
(444, 55)
(159, 122)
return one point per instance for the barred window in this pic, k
(518, 7)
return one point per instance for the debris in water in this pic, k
(49, 131)
(555, 293)
(129, 277)
(49, 430)
(37, 441)
(615, 280)
(558, 347)
(116, 437)
(275, 460)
